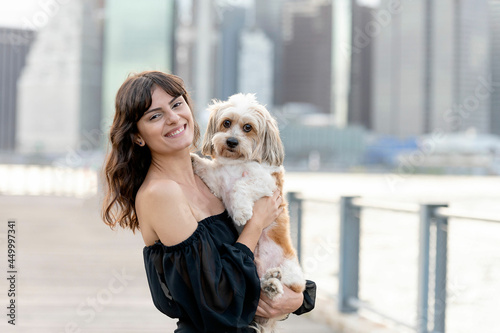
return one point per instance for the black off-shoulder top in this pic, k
(209, 281)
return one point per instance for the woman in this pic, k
(199, 269)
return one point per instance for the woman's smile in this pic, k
(176, 132)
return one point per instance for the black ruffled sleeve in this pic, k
(203, 280)
(309, 298)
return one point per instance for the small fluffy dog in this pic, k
(247, 156)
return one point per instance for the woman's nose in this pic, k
(171, 117)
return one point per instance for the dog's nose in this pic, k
(232, 142)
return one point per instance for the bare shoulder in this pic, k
(159, 189)
(163, 209)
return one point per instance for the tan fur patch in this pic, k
(280, 233)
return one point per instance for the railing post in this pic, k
(423, 268)
(428, 219)
(349, 254)
(440, 270)
(295, 209)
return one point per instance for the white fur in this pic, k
(238, 183)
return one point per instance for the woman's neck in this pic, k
(177, 167)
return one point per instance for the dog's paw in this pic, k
(273, 273)
(198, 163)
(195, 158)
(272, 288)
(239, 220)
(242, 216)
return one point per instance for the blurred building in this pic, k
(342, 64)
(280, 50)
(233, 21)
(495, 65)
(398, 81)
(138, 36)
(245, 55)
(14, 47)
(59, 92)
(184, 43)
(472, 91)
(441, 67)
(257, 52)
(430, 58)
(195, 46)
(268, 18)
(306, 75)
(360, 97)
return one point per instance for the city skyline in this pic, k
(393, 71)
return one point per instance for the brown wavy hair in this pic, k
(127, 163)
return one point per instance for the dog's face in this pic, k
(241, 128)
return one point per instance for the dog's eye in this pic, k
(247, 127)
(227, 123)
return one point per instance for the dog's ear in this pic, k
(272, 147)
(207, 148)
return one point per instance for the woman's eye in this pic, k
(226, 123)
(176, 105)
(247, 127)
(153, 117)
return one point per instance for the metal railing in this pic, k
(433, 220)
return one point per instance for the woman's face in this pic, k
(167, 126)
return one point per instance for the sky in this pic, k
(370, 3)
(17, 13)
(20, 13)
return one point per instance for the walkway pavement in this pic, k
(76, 275)
(302, 324)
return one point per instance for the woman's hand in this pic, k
(266, 210)
(287, 303)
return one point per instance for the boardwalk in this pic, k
(76, 275)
